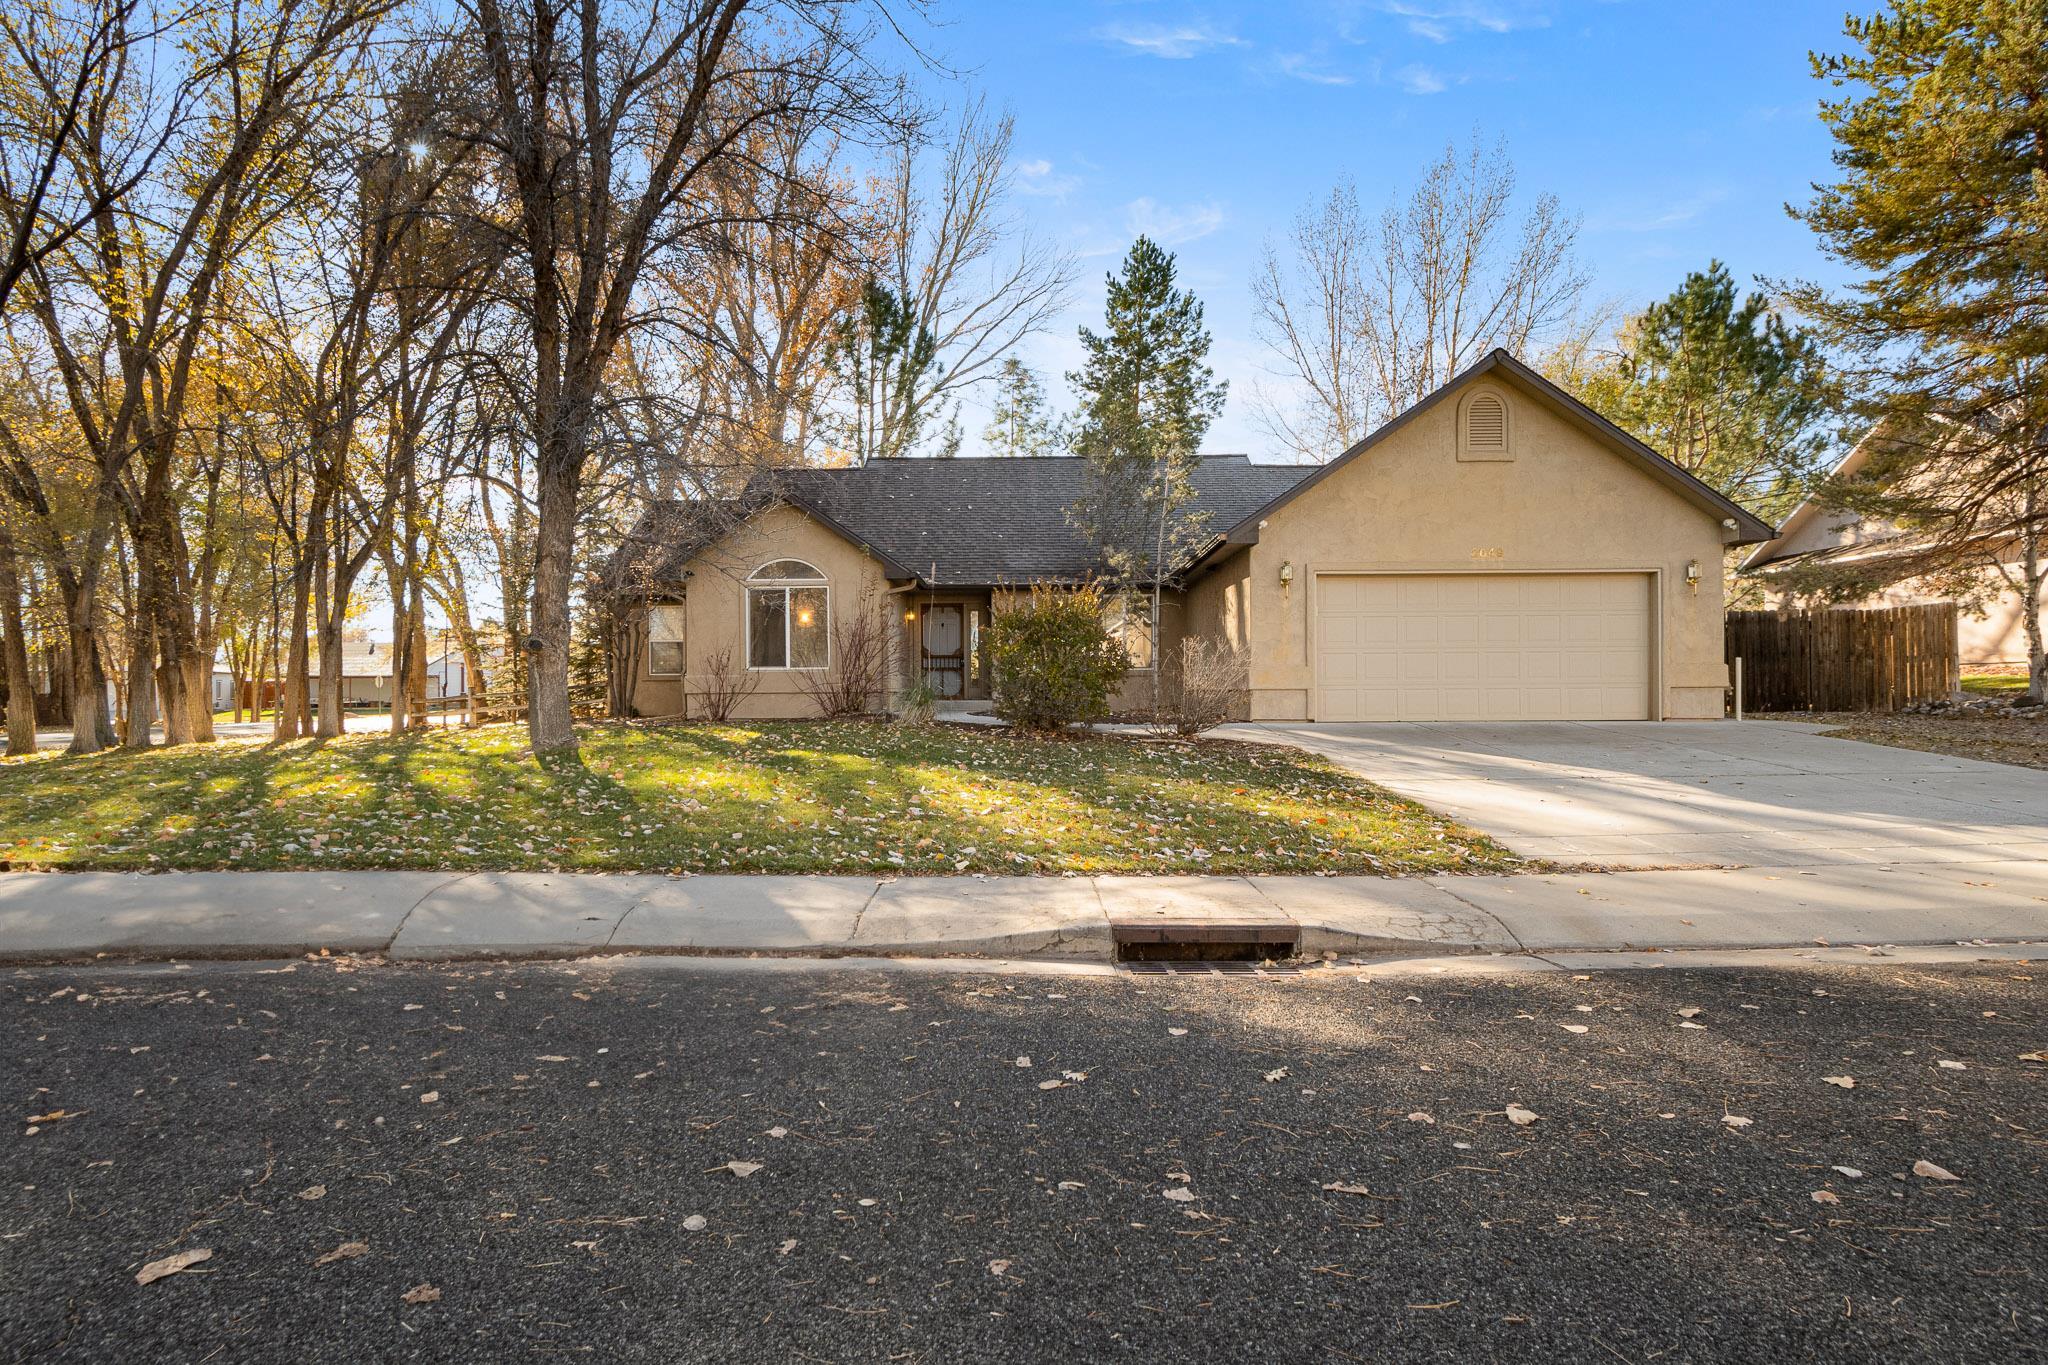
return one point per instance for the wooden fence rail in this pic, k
(1844, 659)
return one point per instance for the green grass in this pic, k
(1995, 684)
(775, 797)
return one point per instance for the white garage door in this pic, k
(1483, 647)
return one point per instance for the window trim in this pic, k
(785, 585)
(652, 671)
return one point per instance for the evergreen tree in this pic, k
(1022, 422)
(1725, 388)
(1147, 399)
(1941, 138)
(882, 355)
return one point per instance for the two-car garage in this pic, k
(1484, 646)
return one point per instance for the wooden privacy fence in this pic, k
(1843, 658)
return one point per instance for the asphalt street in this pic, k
(649, 1162)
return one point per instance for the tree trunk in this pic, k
(549, 723)
(92, 729)
(141, 687)
(2032, 571)
(21, 694)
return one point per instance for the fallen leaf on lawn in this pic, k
(1419, 1117)
(696, 1222)
(1339, 1187)
(1573, 1028)
(1947, 1065)
(996, 1268)
(421, 1293)
(1846, 1082)
(1826, 1197)
(172, 1264)
(312, 1192)
(1736, 1121)
(431, 1097)
(1277, 1074)
(1924, 1167)
(1850, 1171)
(1519, 1116)
(347, 1251)
(1179, 1194)
(742, 1169)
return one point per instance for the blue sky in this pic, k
(1675, 131)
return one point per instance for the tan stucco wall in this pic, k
(1991, 625)
(715, 611)
(1565, 501)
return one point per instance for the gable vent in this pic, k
(1485, 429)
(1487, 420)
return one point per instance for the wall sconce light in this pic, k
(1286, 573)
(910, 615)
(1692, 574)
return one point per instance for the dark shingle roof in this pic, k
(974, 522)
(981, 521)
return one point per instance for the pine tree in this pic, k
(1725, 388)
(1147, 399)
(1021, 422)
(882, 355)
(1942, 208)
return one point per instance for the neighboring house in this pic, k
(1990, 628)
(1498, 551)
(366, 667)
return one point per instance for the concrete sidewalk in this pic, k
(426, 915)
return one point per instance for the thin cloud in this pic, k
(1439, 20)
(1174, 42)
(1419, 80)
(1171, 226)
(1038, 177)
(1303, 66)
(1659, 219)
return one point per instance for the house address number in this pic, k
(1489, 552)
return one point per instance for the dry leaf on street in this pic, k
(1339, 1187)
(312, 1192)
(1023, 1061)
(1420, 1117)
(1946, 1065)
(1736, 1121)
(347, 1251)
(1924, 1167)
(2034, 1056)
(1177, 1032)
(1826, 1197)
(172, 1264)
(996, 1268)
(1846, 1082)
(1519, 1116)
(788, 1246)
(696, 1222)
(742, 1169)
(1180, 1194)
(421, 1293)
(1050, 1085)
(431, 1097)
(1573, 1028)
(1277, 1074)
(1689, 1012)
(1850, 1171)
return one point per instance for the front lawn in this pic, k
(773, 797)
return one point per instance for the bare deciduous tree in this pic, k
(1366, 317)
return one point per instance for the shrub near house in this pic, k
(1052, 661)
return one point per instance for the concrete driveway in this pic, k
(1699, 793)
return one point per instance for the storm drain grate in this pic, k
(1205, 944)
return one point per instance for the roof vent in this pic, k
(1483, 428)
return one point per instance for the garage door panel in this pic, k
(1483, 647)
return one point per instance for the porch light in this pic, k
(910, 615)
(1692, 574)
(1286, 572)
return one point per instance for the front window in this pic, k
(1131, 624)
(665, 641)
(787, 616)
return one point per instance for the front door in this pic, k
(944, 661)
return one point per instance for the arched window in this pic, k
(788, 616)
(1483, 428)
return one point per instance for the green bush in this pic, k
(1051, 661)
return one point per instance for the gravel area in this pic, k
(2021, 740)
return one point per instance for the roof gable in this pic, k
(1749, 527)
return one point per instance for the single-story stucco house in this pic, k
(1991, 625)
(1497, 552)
